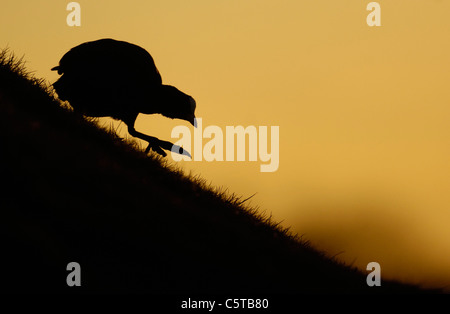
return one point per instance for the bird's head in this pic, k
(177, 105)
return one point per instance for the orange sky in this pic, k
(363, 112)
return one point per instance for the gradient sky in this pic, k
(363, 112)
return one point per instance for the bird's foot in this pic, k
(160, 145)
(156, 149)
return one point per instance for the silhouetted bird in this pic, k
(118, 79)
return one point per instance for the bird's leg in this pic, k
(154, 143)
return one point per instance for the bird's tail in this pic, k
(57, 68)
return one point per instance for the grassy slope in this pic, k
(73, 192)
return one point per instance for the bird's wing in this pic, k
(107, 60)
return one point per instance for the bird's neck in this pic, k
(154, 102)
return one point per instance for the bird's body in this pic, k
(118, 79)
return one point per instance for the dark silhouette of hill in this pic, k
(73, 192)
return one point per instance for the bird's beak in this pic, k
(192, 118)
(193, 121)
